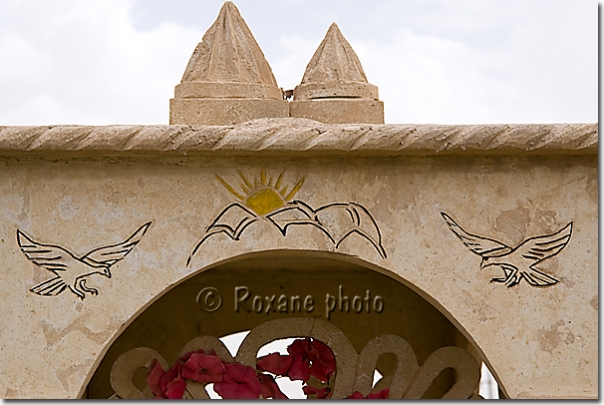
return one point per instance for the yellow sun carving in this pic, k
(263, 196)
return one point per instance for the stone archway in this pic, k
(316, 289)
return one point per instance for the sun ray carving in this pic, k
(260, 195)
(262, 200)
(228, 187)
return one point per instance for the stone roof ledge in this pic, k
(298, 136)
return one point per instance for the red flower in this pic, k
(299, 350)
(238, 382)
(172, 385)
(311, 358)
(322, 393)
(324, 364)
(166, 385)
(156, 372)
(188, 355)
(275, 363)
(203, 368)
(270, 389)
(356, 395)
(383, 394)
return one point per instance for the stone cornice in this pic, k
(301, 137)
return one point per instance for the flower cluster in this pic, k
(306, 358)
(231, 380)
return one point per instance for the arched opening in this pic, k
(242, 294)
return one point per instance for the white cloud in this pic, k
(296, 53)
(557, 69)
(467, 61)
(84, 63)
(21, 59)
(543, 68)
(427, 79)
(421, 78)
(470, 61)
(45, 109)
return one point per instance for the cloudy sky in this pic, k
(105, 62)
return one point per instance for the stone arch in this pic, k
(346, 261)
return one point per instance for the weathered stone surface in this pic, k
(464, 364)
(334, 61)
(124, 367)
(406, 364)
(224, 111)
(329, 90)
(81, 188)
(339, 110)
(278, 136)
(334, 89)
(227, 64)
(229, 53)
(194, 90)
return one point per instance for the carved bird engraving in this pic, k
(71, 271)
(517, 263)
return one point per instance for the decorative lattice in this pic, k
(354, 371)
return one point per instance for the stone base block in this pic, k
(207, 111)
(313, 91)
(227, 90)
(339, 111)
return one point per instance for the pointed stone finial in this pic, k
(227, 80)
(334, 88)
(333, 62)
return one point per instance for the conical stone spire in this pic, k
(334, 61)
(336, 84)
(227, 79)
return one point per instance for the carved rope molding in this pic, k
(354, 371)
(297, 135)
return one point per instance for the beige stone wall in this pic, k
(540, 342)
